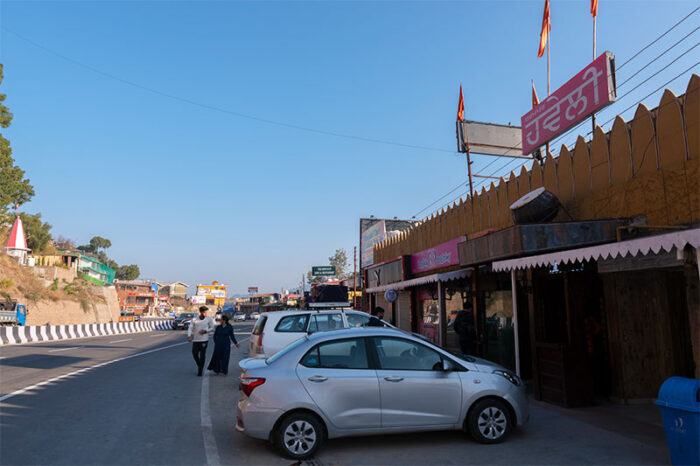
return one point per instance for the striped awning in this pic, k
(630, 248)
(436, 277)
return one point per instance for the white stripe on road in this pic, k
(64, 349)
(210, 449)
(119, 341)
(80, 371)
(161, 335)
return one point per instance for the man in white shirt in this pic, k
(198, 333)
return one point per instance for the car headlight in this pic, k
(509, 376)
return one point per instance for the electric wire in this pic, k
(223, 110)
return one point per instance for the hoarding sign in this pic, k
(252, 289)
(385, 274)
(323, 270)
(489, 138)
(199, 299)
(217, 293)
(442, 255)
(590, 90)
(368, 238)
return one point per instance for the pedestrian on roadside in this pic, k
(222, 347)
(198, 333)
(376, 319)
(465, 329)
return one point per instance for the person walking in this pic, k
(222, 347)
(198, 333)
(465, 329)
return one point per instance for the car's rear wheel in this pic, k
(489, 421)
(299, 435)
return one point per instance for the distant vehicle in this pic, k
(373, 380)
(239, 317)
(280, 328)
(254, 315)
(12, 313)
(182, 322)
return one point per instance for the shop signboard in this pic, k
(590, 90)
(199, 299)
(442, 255)
(217, 293)
(252, 289)
(385, 274)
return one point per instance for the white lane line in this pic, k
(210, 449)
(80, 371)
(64, 349)
(156, 336)
(119, 341)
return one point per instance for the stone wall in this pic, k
(68, 312)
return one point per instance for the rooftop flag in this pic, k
(535, 99)
(460, 106)
(546, 27)
(594, 8)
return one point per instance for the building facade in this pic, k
(601, 302)
(211, 295)
(135, 297)
(95, 271)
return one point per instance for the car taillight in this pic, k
(249, 383)
(260, 340)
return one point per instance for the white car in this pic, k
(239, 317)
(275, 330)
(254, 315)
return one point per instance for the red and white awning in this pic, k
(651, 244)
(17, 240)
(436, 277)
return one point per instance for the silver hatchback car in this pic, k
(364, 381)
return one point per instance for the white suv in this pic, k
(275, 330)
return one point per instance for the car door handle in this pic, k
(317, 378)
(393, 379)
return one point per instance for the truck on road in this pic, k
(12, 313)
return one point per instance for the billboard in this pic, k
(252, 289)
(374, 230)
(590, 90)
(489, 138)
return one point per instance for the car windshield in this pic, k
(187, 315)
(286, 350)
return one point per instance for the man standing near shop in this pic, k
(198, 333)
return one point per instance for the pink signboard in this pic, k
(590, 90)
(438, 257)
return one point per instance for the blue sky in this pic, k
(194, 194)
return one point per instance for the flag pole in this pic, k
(594, 38)
(549, 39)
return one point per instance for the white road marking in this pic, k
(80, 371)
(65, 349)
(154, 336)
(119, 341)
(210, 449)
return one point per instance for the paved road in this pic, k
(148, 407)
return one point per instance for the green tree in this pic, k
(38, 235)
(96, 245)
(340, 261)
(314, 280)
(128, 272)
(15, 189)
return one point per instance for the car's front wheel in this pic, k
(299, 436)
(489, 421)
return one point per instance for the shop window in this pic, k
(498, 335)
(428, 313)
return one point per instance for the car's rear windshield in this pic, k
(286, 350)
(259, 325)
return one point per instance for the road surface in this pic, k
(135, 399)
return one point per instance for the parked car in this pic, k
(280, 328)
(254, 315)
(239, 317)
(373, 380)
(182, 321)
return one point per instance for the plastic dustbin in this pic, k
(679, 400)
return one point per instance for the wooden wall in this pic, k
(646, 166)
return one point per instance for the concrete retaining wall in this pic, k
(29, 334)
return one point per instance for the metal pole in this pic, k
(594, 39)
(549, 39)
(516, 337)
(354, 276)
(469, 170)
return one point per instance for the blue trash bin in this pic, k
(679, 400)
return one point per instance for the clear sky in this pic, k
(196, 194)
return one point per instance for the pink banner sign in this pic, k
(587, 92)
(438, 257)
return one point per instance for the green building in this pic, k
(95, 271)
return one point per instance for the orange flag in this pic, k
(594, 8)
(460, 106)
(535, 99)
(546, 27)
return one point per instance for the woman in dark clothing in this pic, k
(222, 347)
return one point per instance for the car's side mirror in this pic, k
(447, 365)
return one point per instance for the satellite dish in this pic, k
(538, 206)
